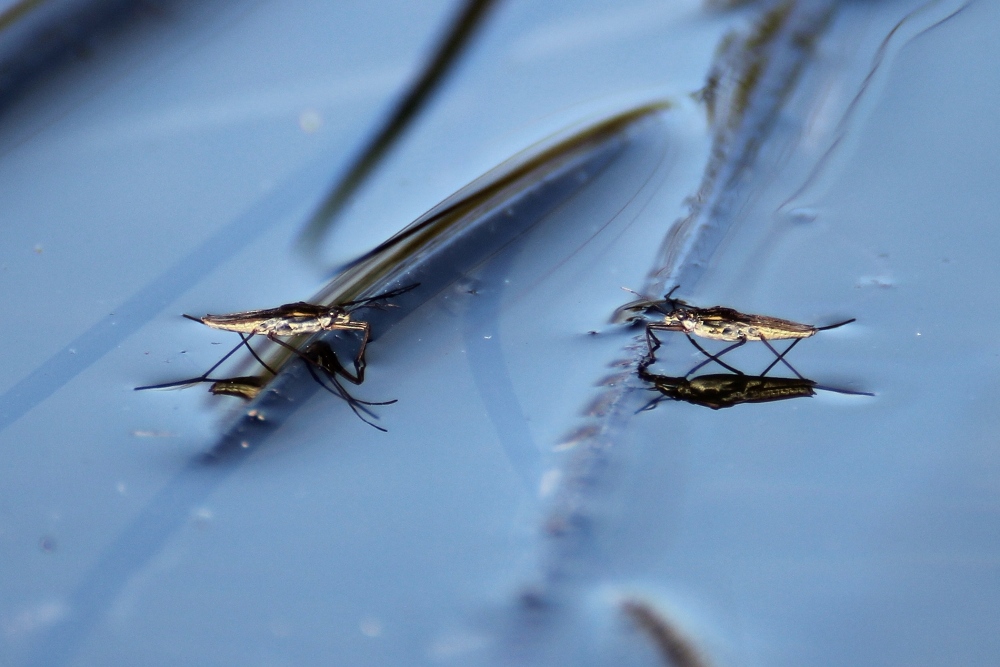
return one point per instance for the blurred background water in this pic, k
(164, 157)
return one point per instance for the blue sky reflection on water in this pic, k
(829, 530)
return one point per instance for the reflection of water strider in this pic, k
(291, 320)
(726, 389)
(725, 324)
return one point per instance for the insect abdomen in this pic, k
(275, 326)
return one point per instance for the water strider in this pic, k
(725, 324)
(290, 320)
(294, 319)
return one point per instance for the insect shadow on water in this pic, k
(721, 323)
(724, 390)
(292, 320)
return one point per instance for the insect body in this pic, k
(289, 320)
(725, 324)
(718, 323)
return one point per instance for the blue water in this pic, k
(170, 170)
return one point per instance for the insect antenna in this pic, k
(201, 378)
(675, 304)
(838, 324)
(379, 297)
(642, 303)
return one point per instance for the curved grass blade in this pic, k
(447, 54)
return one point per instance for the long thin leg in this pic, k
(324, 364)
(337, 366)
(195, 380)
(331, 363)
(780, 357)
(322, 357)
(357, 407)
(340, 391)
(652, 404)
(642, 369)
(246, 341)
(359, 358)
(652, 343)
(715, 357)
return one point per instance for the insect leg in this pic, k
(357, 406)
(324, 365)
(652, 343)
(195, 380)
(323, 357)
(311, 363)
(715, 357)
(651, 404)
(339, 390)
(642, 369)
(359, 359)
(781, 357)
(246, 341)
(338, 368)
(671, 302)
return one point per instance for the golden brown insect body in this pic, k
(293, 319)
(289, 320)
(719, 323)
